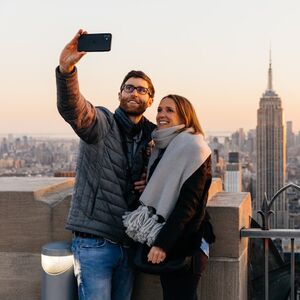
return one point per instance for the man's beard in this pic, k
(133, 111)
(137, 112)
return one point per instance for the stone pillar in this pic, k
(226, 276)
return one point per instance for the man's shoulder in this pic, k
(105, 110)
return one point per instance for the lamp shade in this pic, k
(56, 258)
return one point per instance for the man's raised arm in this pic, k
(87, 122)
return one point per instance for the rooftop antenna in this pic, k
(270, 84)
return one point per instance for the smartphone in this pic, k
(94, 42)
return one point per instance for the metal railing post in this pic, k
(292, 269)
(266, 248)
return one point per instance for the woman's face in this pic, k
(167, 114)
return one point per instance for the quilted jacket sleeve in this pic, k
(88, 122)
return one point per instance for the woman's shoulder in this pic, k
(192, 143)
(190, 137)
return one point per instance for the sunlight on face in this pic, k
(134, 103)
(167, 114)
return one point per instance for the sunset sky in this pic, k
(215, 53)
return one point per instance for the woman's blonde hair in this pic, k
(187, 112)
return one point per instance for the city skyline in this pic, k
(214, 53)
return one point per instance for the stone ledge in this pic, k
(32, 187)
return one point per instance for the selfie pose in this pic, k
(172, 219)
(110, 166)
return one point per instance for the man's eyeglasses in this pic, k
(129, 88)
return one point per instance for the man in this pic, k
(111, 162)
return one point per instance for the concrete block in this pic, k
(24, 225)
(59, 218)
(229, 212)
(225, 279)
(28, 217)
(20, 276)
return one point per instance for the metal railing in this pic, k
(266, 233)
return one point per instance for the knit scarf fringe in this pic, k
(142, 225)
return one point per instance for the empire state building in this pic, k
(271, 154)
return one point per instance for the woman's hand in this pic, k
(69, 55)
(156, 255)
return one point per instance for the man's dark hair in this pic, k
(139, 74)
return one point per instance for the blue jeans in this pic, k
(102, 269)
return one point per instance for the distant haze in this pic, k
(215, 53)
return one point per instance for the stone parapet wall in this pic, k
(33, 212)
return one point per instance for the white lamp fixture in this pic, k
(58, 280)
(56, 258)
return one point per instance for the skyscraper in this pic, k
(271, 153)
(290, 136)
(233, 174)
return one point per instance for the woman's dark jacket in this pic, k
(188, 222)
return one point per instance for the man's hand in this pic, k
(141, 184)
(156, 255)
(69, 55)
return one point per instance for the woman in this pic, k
(172, 218)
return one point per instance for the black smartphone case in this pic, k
(95, 42)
